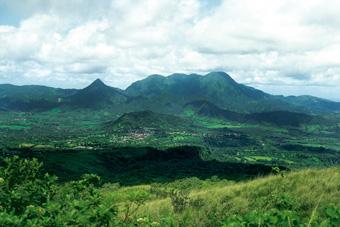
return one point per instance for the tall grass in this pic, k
(307, 192)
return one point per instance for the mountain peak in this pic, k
(97, 95)
(98, 82)
(220, 74)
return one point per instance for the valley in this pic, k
(312, 144)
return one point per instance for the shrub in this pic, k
(332, 216)
(284, 202)
(269, 218)
(179, 200)
(28, 197)
(134, 201)
(24, 184)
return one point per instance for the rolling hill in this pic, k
(31, 97)
(208, 109)
(279, 118)
(296, 198)
(148, 120)
(314, 104)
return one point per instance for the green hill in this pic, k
(208, 109)
(307, 197)
(31, 97)
(148, 120)
(314, 104)
(96, 95)
(278, 118)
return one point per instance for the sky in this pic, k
(280, 46)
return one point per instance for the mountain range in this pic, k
(170, 95)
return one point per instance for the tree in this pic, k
(29, 197)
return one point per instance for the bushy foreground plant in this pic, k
(276, 217)
(28, 197)
(178, 192)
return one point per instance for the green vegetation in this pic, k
(227, 141)
(141, 165)
(300, 198)
(183, 150)
(29, 197)
(148, 121)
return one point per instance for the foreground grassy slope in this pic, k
(30, 197)
(307, 197)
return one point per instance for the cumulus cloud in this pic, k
(266, 44)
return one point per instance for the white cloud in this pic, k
(261, 43)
